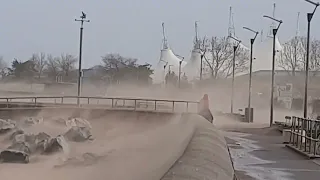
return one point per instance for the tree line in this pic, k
(38, 65)
(115, 68)
(291, 58)
(217, 53)
(293, 55)
(220, 60)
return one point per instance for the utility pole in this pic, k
(82, 20)
(179, 83)
(201, 64)
(309, 18)
(180, 71)
(274, 32)
(250, 73)
(235, 47)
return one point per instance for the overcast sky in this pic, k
(132, 28)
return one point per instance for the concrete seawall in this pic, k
(206, 156)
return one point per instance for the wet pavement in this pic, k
(259, 156)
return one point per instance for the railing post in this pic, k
(310, 136)
(305, 134)
(316, 137)
(135, 104)
(297, 132)
(293, 124)
(155, 105)
(112, 102)
(301, 131)
(172, 106)
(35, 102)
(61, 100)
(88, 100)
(7, 102)
(187, 106)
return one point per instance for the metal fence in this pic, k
(304, 136)
(100, 102)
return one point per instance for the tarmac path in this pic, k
(258, 154)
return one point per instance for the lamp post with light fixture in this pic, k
(250, 119)
(309, 18)
(82, 20)
(235, 47)
(274, 32)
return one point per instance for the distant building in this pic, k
(261, 81)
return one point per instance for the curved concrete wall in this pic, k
(206, 156)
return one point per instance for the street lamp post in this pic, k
(170, 69)
(235, 47)
(180, 63)
(274, 32)
(82, 20)
(164, 71)
(250, 71)
(309, 18)
(201, 64)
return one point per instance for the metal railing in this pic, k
(304, 136)
(100, 102)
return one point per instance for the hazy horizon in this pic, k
(133, 28)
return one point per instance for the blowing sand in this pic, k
(129, 146)
(126, 146)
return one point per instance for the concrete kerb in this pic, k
(206, 156)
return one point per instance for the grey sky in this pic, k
(133, 27)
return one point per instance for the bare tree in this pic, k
(67, 63)
(314, 63)
(116, 61)
(117, 65)
(221, 60)
(119, 68)
(292, 55)
(241, 62)
(40, 62)
(52, 66)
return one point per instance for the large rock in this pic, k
(78, 122)
(17, 152)
(36, 142)
(40, 140)
(52, 145)
(78, 134)
(15, 133)
(32, 121)
(6, 125)
(79, 130)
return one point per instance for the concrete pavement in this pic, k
(262, 156)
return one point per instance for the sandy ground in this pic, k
(126, 146)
